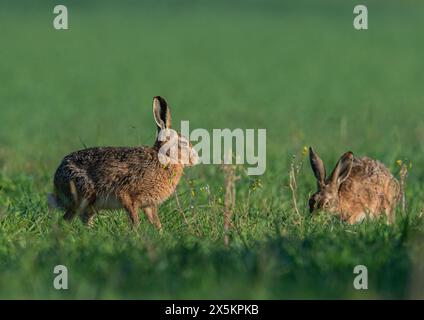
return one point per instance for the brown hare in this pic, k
(123, 177)
(357, 188)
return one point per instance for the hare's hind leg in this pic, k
(87, 217)
(72, 212)
(152, 214)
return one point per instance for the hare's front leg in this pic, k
(132, 209)
(133, 214)
(358, 217)
(152, 214)
(390, 215)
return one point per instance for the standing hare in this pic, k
(357, 188)
(122, 177)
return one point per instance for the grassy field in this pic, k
(296, 68)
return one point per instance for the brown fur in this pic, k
(118, 177)
(357, 188)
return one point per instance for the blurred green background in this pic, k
(297, 68)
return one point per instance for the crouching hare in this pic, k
(123, 177)
(357, 188)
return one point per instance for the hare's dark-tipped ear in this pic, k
(342, 170)
(161, 113)
(317, 166)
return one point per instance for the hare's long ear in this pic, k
(342, 170)
(317, 166)
(161, 113)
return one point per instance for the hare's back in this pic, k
(372, 175)
(104, 165)
(106, 156)
(368, 169)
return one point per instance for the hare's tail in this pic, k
(52, 202)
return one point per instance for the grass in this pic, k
(298, 69)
